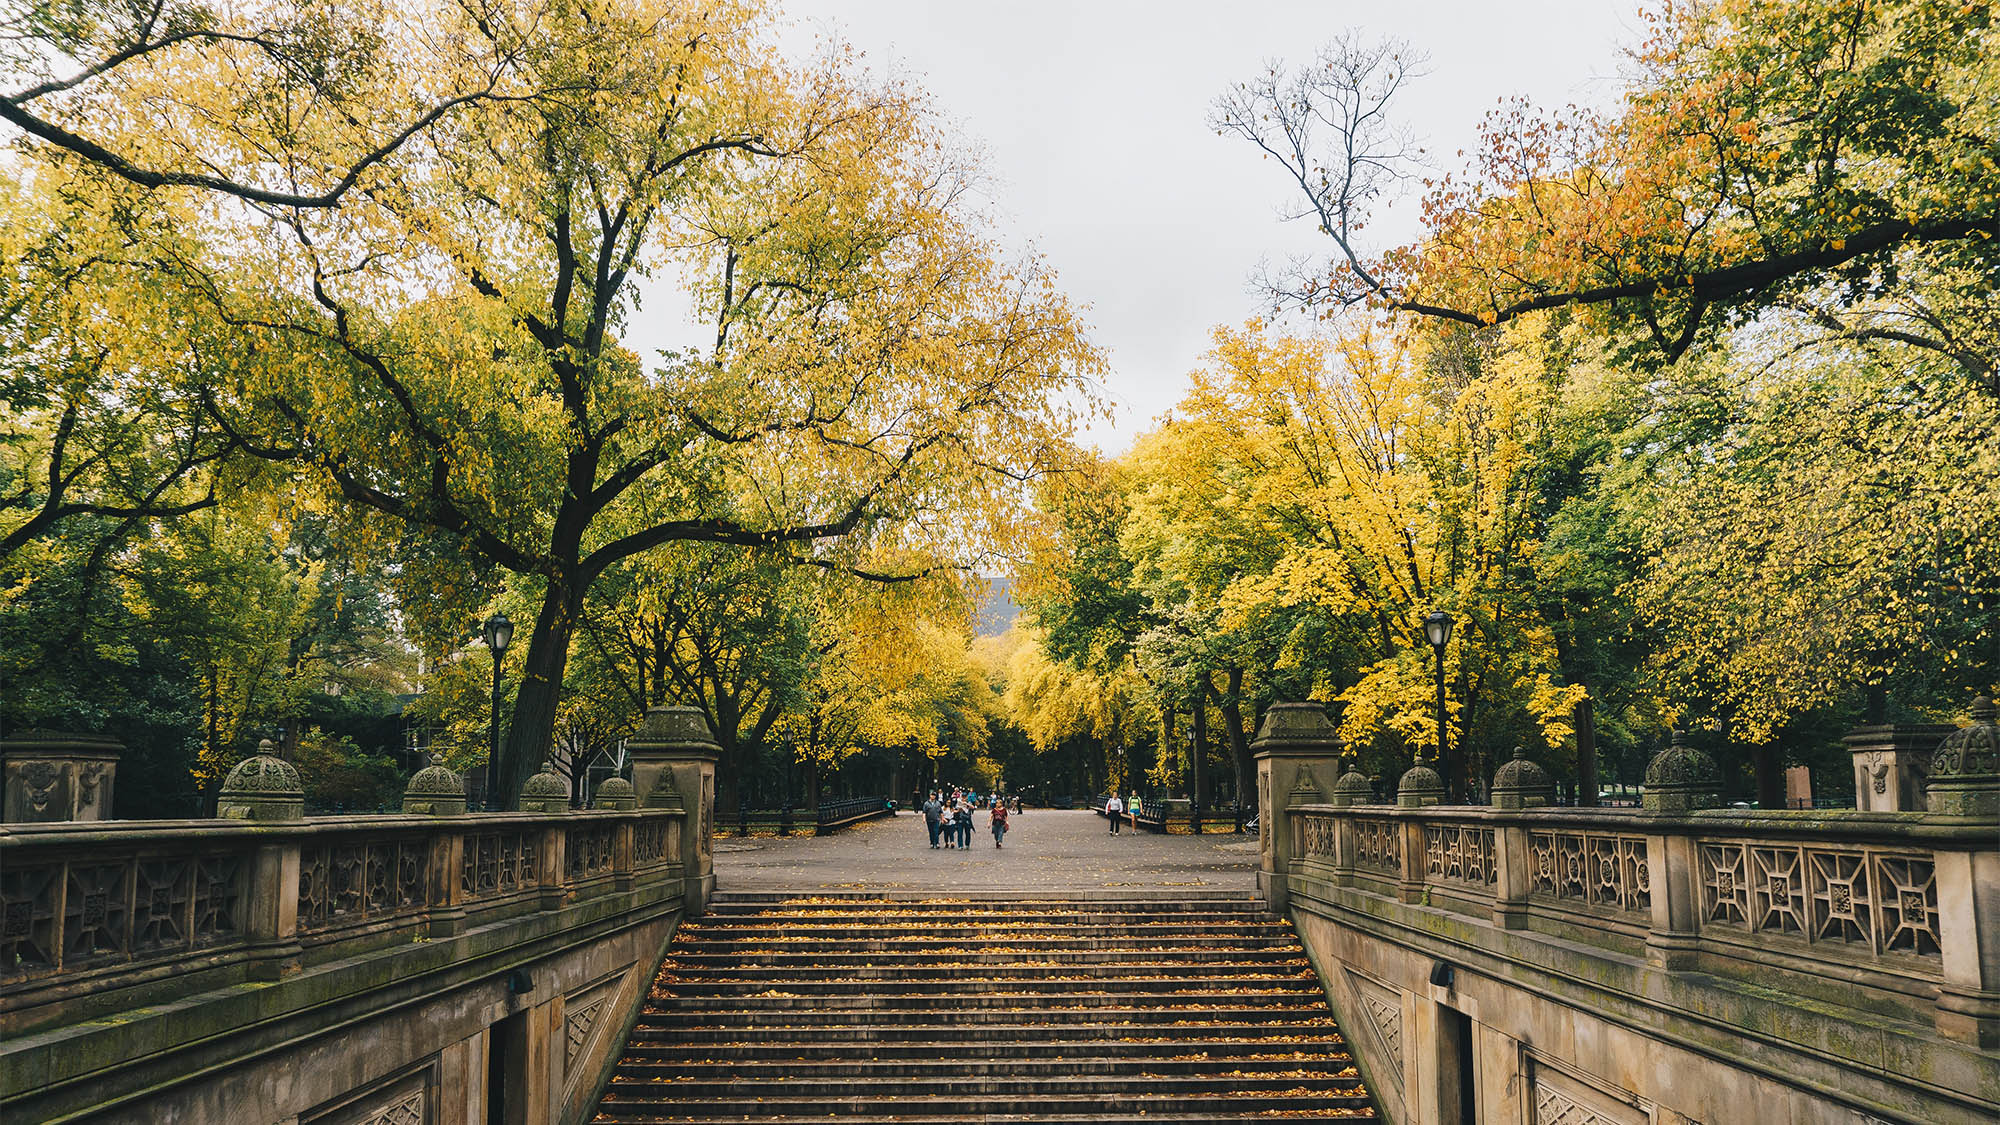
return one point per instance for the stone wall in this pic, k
(370, 969)
(1626, 967)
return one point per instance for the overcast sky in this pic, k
(1091, 115)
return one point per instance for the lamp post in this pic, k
(1437, 629)
(498, 632)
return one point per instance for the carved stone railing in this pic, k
(88, 910)
(1885, 902)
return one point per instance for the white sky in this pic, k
(1091, 115)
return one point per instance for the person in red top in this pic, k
(999, 815)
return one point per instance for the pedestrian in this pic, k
(965, 825)
(1114, 811)
(1132, 810)
(933, 818)
(999, 815)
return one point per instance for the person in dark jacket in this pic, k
(933, 818)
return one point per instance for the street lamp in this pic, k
(498, 631)
(1437, 628)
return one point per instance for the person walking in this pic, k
(933, 817)
(1114, 811)
(965, 824)
(999, 815)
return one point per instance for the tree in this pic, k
(440, 354)
(1763, 151)
(323, 93)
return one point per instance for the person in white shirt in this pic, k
(1114, 811)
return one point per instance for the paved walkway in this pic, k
(1047, 851)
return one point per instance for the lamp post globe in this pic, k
(499, 632)
(1437, 628)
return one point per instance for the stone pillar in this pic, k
(673, 763)
(1679, 780)
(1965, 785)
(1420, 788)
(271, 916)
(58, 777)
(1892, 761)
(1512, 859)
(1295, 743)
(1968, 899)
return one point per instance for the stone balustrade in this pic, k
(1884, 902)
(1676, 962)
(88, 911)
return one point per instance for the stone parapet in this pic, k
(99, 919)
(1882, 916)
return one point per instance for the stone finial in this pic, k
(1965, 768)
(545, 792)
(434, 790)
(1353, 787)
(615, 792)
(263, 786)
(1521, 784)
(1420, 788)
(679, 729)
(1297, 727)
(1681, 779)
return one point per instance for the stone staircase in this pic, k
(792, 1009)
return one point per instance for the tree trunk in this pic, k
(1585, 716)
(1239, 743)
(1198, 756)
(1769, 763)
(534, 718)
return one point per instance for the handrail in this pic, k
(124, 901)
(1828, 892)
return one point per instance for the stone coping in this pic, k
(1847, 823)
(1106, 895)
(116, 831)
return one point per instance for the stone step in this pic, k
(774, 1009)
(998, 927)
(941, 945)
(1013, 1086)
(1098, 1117)
(1170, 988)
(997, 1037)
(861, 916)
(954, 1063)
(809, 1014)
(971, 1004)
(1250, 1105)
(720, 970)
(1154, 897)
(1063, 1050)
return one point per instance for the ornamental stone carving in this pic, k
(434, 790)
(615, 793)
(1521, 784)
(1420, 787)
(546, 791)
(1680, 779)
(1352, 789)
(51, 776)
(263, 786)
(1965, 770)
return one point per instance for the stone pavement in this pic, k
(1048, 852)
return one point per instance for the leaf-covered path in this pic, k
(1046, 850)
